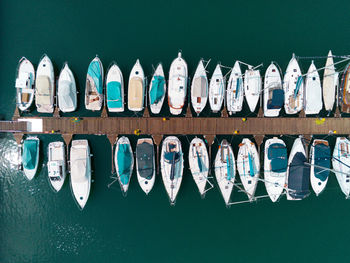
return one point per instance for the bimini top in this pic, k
(277, 153)
(277, 100)
(157, 89)
(114, 94)
(124, 160)
(67, 94)
(144, 155)
(94, 71)
(30, 148)
(299, 177)
(322, 158)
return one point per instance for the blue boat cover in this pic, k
(299, 177)
(322, 158)
(114, 94)
(94, 71)
(230, 174)
(298, 85)
(124, 159)
(277, 99)
(277, 153)
(29, 157)
(157, 89)
(251, 165)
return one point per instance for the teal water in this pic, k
(37, 225)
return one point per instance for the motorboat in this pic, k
(56, 165)
(235, 90)
(216, 89)
(341, 164)
(199, 88)
(45, 86)
(273, 91)
(313, 91)
(136, 88)
(157, 90)
(115, 89)
(30, 156)
(94, 85)
(66, 90)
(145, 164)
(25, 79)
(124, 162)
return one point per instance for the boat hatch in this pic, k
(273, 70)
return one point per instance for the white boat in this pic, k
(172, 164)
(25, 84)
(30, 156)
(136, 88)
(216, 89)
(199, 88)
(115, 89)
(320, 159)
(273, 91)
(177, 90)
(252, 87)
(124, 162)
(66, 90)
(56, 165)
(248, 166)
(330, 83)
(341, 164)
(94, 85)
(198, 159)
(225, 170)
(235, 90)
(293, 85)
(313, 91)
(80, 171)
(45, 86)
(145, 164)
(275, 167)
(157, 90)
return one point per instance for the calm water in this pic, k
(40, 226)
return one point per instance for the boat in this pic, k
(235, 90)
(320, 159)
(25, 84)
(66, 90)
(115, 89)
(275, 167)
(330, 83)
(30, 156)
(157, 90)
(225, 170)
(252, 87)
(56, 165)
(145, 164)
(124, 162)
(198, 159)
(172, 165)
(248, 166)
(80, 171)
(293, 85)
(345, 91)
(199, 88)
(216, 89)
(94, 85)
(298, 173)
(273, 91)
(44, 85)
(341, 164)
(136, 88)
(177, 90)
(313, 91)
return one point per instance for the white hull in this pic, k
(252, 88)
(146, 184)
(25, 84)
(235, 90)
(45, 94)
(330, 83)
(114, 74)
(341, 164)
(56, 165)
(66, 90)
(199, 88)
(93, 98)
(157, 107)
(136, 88)
(123, 140)
(313, 91)
(30, 173)
(216, 90)
(317, 185)
(272, 81)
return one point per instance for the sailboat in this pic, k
(115, 89)
(157, 90)
(94, 85)
(30, 156)
(25, 84)
(198, 159)
(56, 165)
(235, 91)
(124, 162)
(172, 164)
(313, 91)
(199, 88)
(341, 164)
(275, 167)
(345, 91)
(225, 170)
(252, 87)
(44, 85)
(273, 91)
(136, 88)
(66, 90)
(248, 166)
(330, 83)
(216, 89)
(145, 164)
(177, 90)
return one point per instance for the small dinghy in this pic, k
(67, 90)
(216, 89)
(199, 88)
(198, 159)
(94, 85)
(293, 85)
(157, 90)
(44, 86)
(298, 173)
(56, 165)
(313, 91)
(320, 158)
(341, 164)
(177, 91)
(80, 171)
(172, 164)
(124, 162)
(30, 156)
(136, 88)
(252, 87)
(248, 166)
(273, 92)
(115, 89)
(235, 91)
(25, 84)
(145, 164)
(330, 83)
(275, 167)
(225, 170)
(345, 91)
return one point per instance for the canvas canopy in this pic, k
(29, 157)
(299, 177)
(66, 94)
(157, 89)
(114, 94)
(277, 153)
(200, 87)
(276, 102)
(94, 71)
(43, 90)
(145, 155)
(135, 96)
(79, 171)
(124, 159)
(322, 158)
